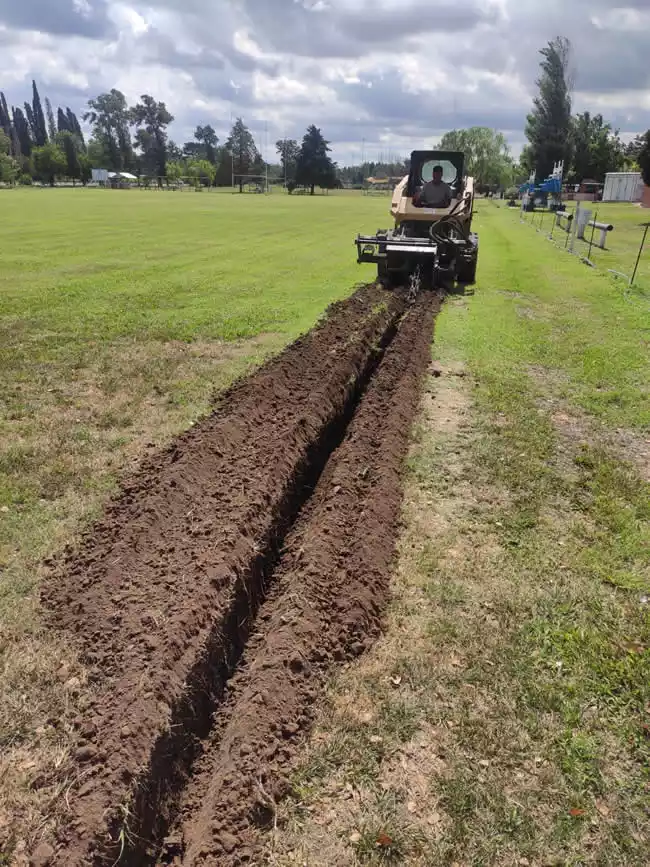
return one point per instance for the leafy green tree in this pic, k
(152, 119)
(97, 154)
(633, 147)
(643, 157)
(597, 149)
(487, 154)
(68, 144)
(548, 127)
(174, 171)
(202, 171)
(85, 168)
(49, 162)
(109, 115)
(147, 160)
(9, 167)
(208, 139)
(192, 150)
(314, 165)
(174, 153)
(223, 176)
(631, 154)
(289, 152)
(246, 158)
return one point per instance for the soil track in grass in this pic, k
(161, 594)
(329, 593)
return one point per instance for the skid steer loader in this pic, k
(429, 247)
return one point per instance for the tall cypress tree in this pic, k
(548, 127)
(51, 125)
(62, 121)
(5, 118)
(22, 132)
(75, 127)
(29, 114)
(67, 142)
(39, 128)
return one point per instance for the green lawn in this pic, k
(623, 243)
(122, 312)
(86, 263)
(503, 717)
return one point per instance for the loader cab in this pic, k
(422, 165)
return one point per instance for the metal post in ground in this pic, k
(591, 242)
(574, 226)
(638, 258)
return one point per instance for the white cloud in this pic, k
(127, 19)
(396, 73)
(83, 7)
(623, 20)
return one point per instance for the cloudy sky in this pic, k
(395, 73)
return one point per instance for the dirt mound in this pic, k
(330, 588)
(163, 592)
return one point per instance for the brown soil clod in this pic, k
(266, 530)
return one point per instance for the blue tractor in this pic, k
(548, 193)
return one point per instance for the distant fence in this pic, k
(582, 234)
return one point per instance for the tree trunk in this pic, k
(313, 186)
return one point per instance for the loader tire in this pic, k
(467, 271)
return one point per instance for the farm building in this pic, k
(622, 187)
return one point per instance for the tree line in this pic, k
(588, 145)
(36, 144)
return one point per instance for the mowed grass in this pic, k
(504, 717)
(122, 313)
(622, 245)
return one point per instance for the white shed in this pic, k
(622, 187)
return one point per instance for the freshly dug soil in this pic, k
(329, 592)
(161, 595)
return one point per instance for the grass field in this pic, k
(503, 718)
(623, 243)
(519, 633)
(122, 313)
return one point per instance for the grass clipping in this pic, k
(503, 718)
